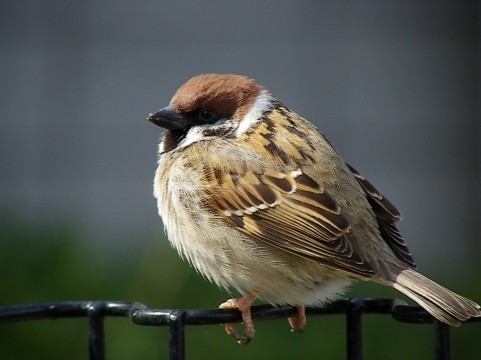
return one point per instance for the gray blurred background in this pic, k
(394, 85)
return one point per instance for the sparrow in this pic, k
(257, 200)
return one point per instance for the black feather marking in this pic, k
(307, 181)
(273, 149)
(282, 184)
(386, 215)
(266, 193)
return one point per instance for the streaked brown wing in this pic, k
(289, 211)
(387, 215)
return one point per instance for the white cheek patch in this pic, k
(263, 102)
(202, 132)
(195, 133)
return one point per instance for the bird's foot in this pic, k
(242, 304)
(298, 322)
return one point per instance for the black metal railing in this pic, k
(177, 320)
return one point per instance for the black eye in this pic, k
(207, 115)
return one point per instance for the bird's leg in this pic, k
(242, 304)
(298, 322)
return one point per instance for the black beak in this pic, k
(168, 118)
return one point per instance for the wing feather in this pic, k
(387, 215)
(289, 211)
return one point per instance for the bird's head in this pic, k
(211, 105)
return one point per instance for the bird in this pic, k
(258, 201)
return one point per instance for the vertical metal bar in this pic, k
(96, 332)
(177, 335)
(354, 335)
(442, 341)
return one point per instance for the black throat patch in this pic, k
(172, 138)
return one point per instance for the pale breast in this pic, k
(223, 254)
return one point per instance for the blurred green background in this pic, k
(394, 85)
(43, 264)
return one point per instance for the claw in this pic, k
(241, 340)
(242, 304)
(298, 322)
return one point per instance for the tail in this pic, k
(443, 304)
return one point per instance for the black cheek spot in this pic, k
(215, 132)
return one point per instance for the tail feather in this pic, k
(443, 304)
